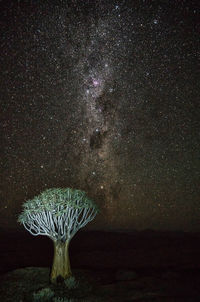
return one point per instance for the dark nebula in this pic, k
(103, 96)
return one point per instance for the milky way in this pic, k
(103, 96)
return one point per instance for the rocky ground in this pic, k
(139, 266)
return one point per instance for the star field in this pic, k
(103, 96)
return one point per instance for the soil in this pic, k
(138, 266)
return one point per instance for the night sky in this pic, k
(103, 96)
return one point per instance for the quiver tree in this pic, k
(58, 214)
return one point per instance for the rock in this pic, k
(125, 275)
(170, 275)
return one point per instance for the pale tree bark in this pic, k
(61, 263)
(58, 213)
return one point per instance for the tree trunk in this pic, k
(61, 263)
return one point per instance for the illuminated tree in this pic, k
(58, 214)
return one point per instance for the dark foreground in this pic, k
(138, 266)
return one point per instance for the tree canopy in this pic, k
(58, 213)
